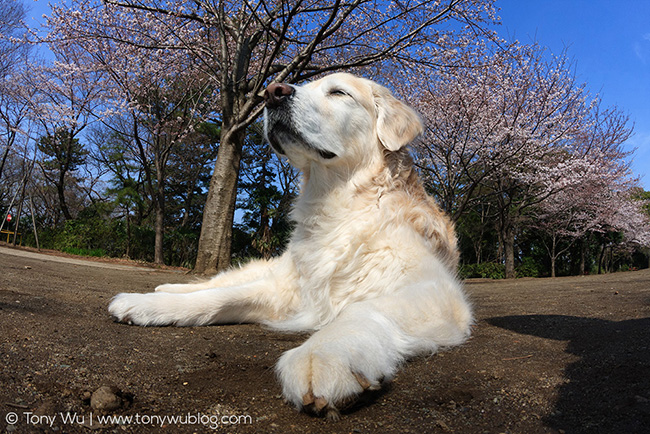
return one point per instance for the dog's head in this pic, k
(339, 119)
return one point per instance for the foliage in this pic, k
(180, 245)
(513, 140)
(233, 50)
(64, 151)
(529, 267)
(265, 204)
(126, 125)
(95, 235)
(98, 253)
(485, 270)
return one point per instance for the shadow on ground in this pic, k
(608, 388)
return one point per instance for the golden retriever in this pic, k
(370, 267)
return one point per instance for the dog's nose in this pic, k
(277, 93)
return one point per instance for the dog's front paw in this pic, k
(324, 378)
(139, 309)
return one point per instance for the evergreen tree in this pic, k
(64, 154)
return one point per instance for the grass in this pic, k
(98, 253)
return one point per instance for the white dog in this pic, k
(370, 266)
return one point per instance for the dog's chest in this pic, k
(322, 242)
(346, 256)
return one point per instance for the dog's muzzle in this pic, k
(279, 125)
(277, 129)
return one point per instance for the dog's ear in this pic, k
(397, 123)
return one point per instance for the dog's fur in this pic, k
(370, 266)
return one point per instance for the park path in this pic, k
(76, 261)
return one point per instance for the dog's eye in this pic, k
(338, 92)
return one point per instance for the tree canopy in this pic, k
(141, 137)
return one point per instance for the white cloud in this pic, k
(642, 48)
(639, 52)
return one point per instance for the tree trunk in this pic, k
(600, 260)
(553, 266)
(4, 158)
(159, 225)
(553, 255)
(128, 233)
(219, 211)
(499, 245)
(583, 248)
(509, 251)
(60, 189)
(65, 163)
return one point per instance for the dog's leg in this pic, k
(267, 296)
(367, 342)
(234, 277)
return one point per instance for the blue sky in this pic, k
(609, 40)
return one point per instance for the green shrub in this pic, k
(181, 246)
(143, 240)
(486, 270)
(528, 268)
(98, 253)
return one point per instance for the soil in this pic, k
(547, 356)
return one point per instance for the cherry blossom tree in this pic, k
(503, 127)
(245, 45)
(595, 190)
(635, 220)
(623, 229)
(581, 207)
(156, 128)
(14, 96)
(153, 99)
(12, 50)
(15, 108)
(63, 105)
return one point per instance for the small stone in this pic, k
(106, 398)
(443, 426)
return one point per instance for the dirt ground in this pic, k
(547, 356)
